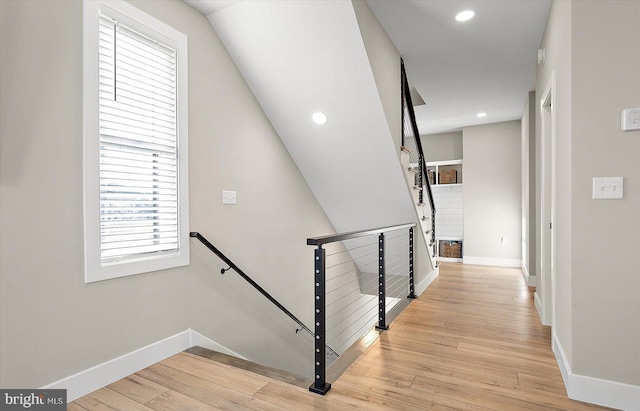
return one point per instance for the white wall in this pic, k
(384, 59)
(52, 324)
(443, 146)
(492, 194)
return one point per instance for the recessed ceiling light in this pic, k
(480, 115)
(465, 15)
(319, 118)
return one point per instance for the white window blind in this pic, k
(138, 145)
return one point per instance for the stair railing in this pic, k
(380, 262)
(411, 138)
(234, 267)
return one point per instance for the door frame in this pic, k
(547, 282)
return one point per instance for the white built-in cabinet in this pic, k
(448, 198)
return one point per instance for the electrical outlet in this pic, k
(228, 197)
(631, 119)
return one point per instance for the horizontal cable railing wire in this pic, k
(359, 278)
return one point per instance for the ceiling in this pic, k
(486, 64)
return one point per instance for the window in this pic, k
(135, 142)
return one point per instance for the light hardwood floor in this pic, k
(472, 341)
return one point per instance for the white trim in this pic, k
(538, 304)
(422, 285)
(498, 262)
(94, 268)
(444, 163)
(101, 375)
(530, 280)
(449, 259)
(595, 390)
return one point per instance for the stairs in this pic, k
(265, 371)
(423, 210)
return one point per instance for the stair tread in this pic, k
(251, 366)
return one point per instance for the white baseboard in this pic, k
(422, 285)
(101, 375)
(538, 304)
(530, 280)
(595, 390)
(498, 262)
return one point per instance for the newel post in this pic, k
(382, 287)
(320, 384)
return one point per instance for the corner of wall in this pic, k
(595, 390)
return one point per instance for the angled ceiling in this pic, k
(460, 69)
(301, 57)
(486, 64)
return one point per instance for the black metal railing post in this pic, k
(320, 384)
(382, 286)
(421, 177)
(412, 293)
(433, 231)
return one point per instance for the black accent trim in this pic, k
(320, 385)
(412, 293)
(382, 286)
(355, 234)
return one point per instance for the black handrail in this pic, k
(406, 94)
(255, 285)
(332, 238)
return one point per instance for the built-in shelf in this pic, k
(434, 168)
(448, 199)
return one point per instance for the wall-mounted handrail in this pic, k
(255, 285)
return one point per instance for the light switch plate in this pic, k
(228, 197)
(607, 188)
(631, 119)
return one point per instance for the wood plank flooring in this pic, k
(472, 341)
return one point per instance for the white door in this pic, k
(546, 285)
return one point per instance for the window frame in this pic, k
(94, 268)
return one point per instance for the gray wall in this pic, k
(528, 159)
(605, 60)
(492, 191)
(591, 48)
(443, 146)
(52, 324)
